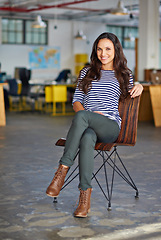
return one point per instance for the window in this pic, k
(12, 31)
(35, 35)
(16, 31)
(130, 33)
(126, 35)
(117, 31)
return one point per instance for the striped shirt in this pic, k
(103, 96)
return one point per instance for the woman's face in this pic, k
(106, 53)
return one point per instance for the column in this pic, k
(148, 47)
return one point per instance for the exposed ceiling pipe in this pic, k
(13, 9)
(88, 9)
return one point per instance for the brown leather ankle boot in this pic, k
(57, 182)
(84, 203)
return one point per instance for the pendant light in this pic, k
(38, 23)
(120, 9)
(80, 35)
(129, 38)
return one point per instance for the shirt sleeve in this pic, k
(131, 82)
(79, 94)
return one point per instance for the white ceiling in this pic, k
(80, 10)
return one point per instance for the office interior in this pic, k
(38, 111)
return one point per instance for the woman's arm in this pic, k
(77, 106)
(136, 91)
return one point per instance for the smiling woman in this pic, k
(96, 99)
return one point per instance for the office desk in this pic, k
(150, 104)
(58, 94)
(2, 106)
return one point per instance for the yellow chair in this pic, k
(48, 98)
(56, 94)
(59, 95)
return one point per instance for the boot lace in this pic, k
(58, 176)
(83, 197)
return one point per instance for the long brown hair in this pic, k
(122, 72)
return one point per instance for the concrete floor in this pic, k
(28, 160)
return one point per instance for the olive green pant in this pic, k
(87, 128)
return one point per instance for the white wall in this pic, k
(130, 55)
(0, 30)
(12, 56)
(62, 37)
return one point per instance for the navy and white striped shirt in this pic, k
(103, 96)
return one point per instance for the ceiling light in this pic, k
(80, 36)
(39, 23)
(129, 38)
(120, 9)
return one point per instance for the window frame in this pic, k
(24, 32)
(123, 35)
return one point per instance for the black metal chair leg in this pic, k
(55, 200)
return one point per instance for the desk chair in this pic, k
(129, 113)
(63, 75)
(24, 76)
(14, 98)
(156, 78)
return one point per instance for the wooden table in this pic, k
(2, 106)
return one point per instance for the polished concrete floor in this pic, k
(28, 160)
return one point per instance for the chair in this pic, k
(128, 110)
(63, 75)
(14, 98)
(24, 76)
(156, 78)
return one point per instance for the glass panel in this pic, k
(5, 23)
(42, 30)
(19, 25)
(12, 25)
(35, 30)
(19, 38)
(36, 38)
(116, 30)
(130, 33)
(43, 39)
(136, 32)
(28, 37)
(11, 37)
(28, 25)
(4, 37)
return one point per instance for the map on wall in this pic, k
(44, 57)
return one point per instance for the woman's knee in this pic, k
(79, 116)
(88, 139)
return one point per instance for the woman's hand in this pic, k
(77, 106)
(98, 112)
(136, 91)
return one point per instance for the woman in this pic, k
(96, 99)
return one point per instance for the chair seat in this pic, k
(98, 146)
